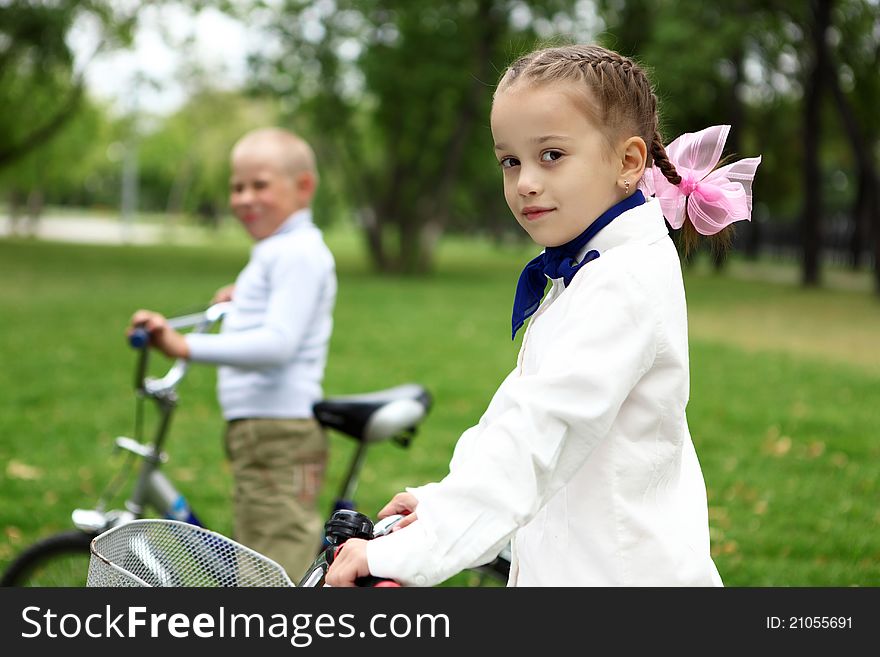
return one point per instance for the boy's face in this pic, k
(559, 172)
(261, 194)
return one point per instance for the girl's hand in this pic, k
(163, 337)
(403, 503)
(349, 564)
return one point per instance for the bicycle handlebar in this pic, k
(343, 525)
(140, 339)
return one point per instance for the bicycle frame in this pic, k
(152, 487)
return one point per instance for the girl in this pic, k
(583, 459)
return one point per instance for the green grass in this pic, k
(783, 408)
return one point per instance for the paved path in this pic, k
(88, 230)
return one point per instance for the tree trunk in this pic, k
(420, 227)
(736, 118)
(410, 257)
(372, 226)
(385, 212)
(35, 203)
(16, 200)
(861, 218)
(865, 208)
(876, 227)
(812, 218)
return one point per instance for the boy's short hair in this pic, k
(293, 153)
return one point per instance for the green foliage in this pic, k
(857, 26)
(37, 75)
(71, 168)
(396, 97)
(781, 405)
(183, 159)
(184, 162)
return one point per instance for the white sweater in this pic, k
(273, 345)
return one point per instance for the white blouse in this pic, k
(583, 458)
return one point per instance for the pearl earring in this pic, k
(626, 187)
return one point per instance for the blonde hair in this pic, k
(292, 153)
(615, 94)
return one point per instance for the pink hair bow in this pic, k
(711, 198)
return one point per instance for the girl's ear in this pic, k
(632, 164)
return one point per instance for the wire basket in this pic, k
(173, 553)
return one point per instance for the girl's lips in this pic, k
(535, 213)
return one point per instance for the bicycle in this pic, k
(371, 418)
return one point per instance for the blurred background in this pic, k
(126, 108)
(116, 122)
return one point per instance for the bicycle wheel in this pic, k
(57, 560)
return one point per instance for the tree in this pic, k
(842, 40)
(64, 169)
(184, 161)
(754, 64)
(37, 74)
(819, 70)
(856, 91)
(396, 97)
(657, 41)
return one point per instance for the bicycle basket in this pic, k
(173, 553)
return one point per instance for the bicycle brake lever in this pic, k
(386, 525)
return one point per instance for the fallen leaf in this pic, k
(782, 446)
(19, 470)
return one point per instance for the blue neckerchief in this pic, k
(559, 262)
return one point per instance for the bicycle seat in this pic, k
(376, 416)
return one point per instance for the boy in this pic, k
(272, 349)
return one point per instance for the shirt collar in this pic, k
(644, 224)
(297, 220)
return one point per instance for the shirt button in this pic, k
(421, 580)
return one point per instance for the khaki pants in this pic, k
(278, 467)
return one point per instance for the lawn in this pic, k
(784, 394)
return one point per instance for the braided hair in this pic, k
(619, 98)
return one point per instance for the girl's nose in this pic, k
(529, 182)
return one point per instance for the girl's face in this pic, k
(559, 171)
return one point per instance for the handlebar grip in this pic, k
(371, 581)
(368, 581)
(139, 338)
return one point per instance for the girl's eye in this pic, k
(550, 156)
(508, 162)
